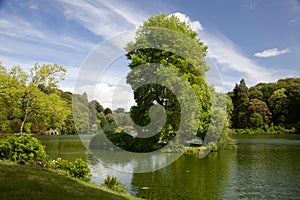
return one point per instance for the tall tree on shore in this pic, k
(157, 32)
(240, 100)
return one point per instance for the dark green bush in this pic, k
(23, 148)
(114, 184)
(100, 141)
(109, 129)
(78, 169)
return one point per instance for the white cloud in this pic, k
(195, 25)
(102, 18)
(112, 96)
(271, 53)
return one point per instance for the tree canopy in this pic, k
(267, 104)
(164, 46)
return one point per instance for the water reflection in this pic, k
(261, 168)
(187, 178)
(134, 162)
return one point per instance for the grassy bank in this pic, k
(34, 182)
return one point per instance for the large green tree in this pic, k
(24, 100)
(152, 55)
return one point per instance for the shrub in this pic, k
(173, 147)
(78, 169)
(113, 183)
(100, 141)
(23, 148)
(225, 141)
(109, 129)
(214, 146)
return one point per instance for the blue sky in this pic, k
(251, 39)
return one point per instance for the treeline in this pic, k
(31, 102)
(267, 105)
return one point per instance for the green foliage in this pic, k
(31, 98)
(240, 100)
(109, 129)
(258, 107)
(195, 150)
(27, 128)
(122, 140)
(113, 183)
(270, 104)
(153, 49)
(173, 147)
(78, 169)
(255, 94)
(22, 149)
(279, 104)
(273, 130)
(225, 141)
(100, 141)
(256, 120)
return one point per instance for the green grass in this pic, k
(34, 182)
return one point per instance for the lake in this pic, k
(262, 167)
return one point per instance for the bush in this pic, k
(23, 148)
(109, 129)
(114, 184)
(173, 147)
(79, 169)
(225, 141)
(100, 141)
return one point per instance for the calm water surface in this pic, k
(262, 167)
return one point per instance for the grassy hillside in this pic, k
(33, 182)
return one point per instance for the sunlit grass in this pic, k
(34, 182)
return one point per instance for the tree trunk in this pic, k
(25, 117)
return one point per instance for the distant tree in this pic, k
(260, 107)
(255, 120)
(279, 106)
(293, 95)
(81, 112)
(266, 88)
(120, 110)
(240, 100)
(108, 111)
(255, 94)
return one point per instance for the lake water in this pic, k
(262, 167)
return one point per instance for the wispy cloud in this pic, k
(271, 52)
(251, 5)
(226, 55)
(19, 28)
(100, 17)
